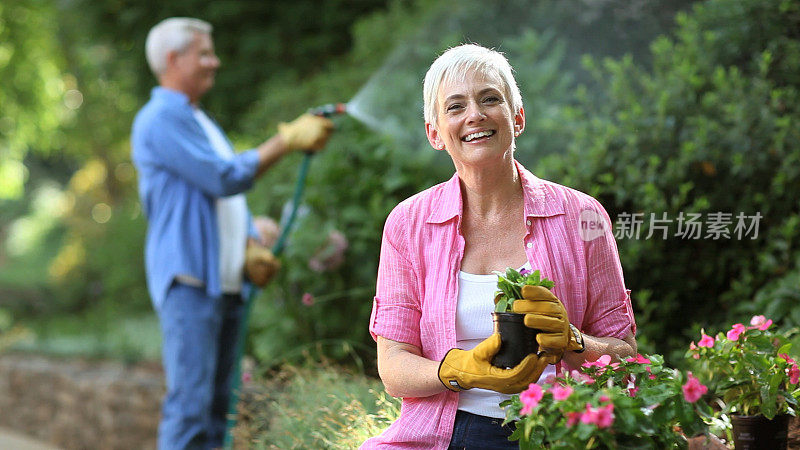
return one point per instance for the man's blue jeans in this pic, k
(199, 345)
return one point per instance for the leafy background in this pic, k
(650, 106)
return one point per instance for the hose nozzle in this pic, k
(329, 110)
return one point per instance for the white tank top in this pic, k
(473, 325)
(231, 216)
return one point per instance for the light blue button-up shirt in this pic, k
(180, 178)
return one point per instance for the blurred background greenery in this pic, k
(650, 106)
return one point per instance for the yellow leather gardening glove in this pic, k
(545, 312)
(307, 132)
(467, 369)
(260, 264)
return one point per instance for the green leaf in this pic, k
(502, 305)
(513, 275)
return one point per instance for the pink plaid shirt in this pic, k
(417, 286)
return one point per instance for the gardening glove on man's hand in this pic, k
(307, 132)
(467, 369)
(260, 264)
(545, 312)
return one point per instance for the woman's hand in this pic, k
(545, 313)
(467, 369)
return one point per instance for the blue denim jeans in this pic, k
(474, 432)
(199, 345)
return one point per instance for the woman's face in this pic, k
(475, 121)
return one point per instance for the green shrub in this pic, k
(712, 128)
(319, 407)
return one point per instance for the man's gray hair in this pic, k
(173, 34)
(455, 63)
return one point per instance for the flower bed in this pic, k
(636, 402)
(641, 403)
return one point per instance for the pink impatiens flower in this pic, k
(580, 376)
(693, 390)
(560, 393)
(706, 341)
(794, 374)
(639, 359)
(602, 416)
(733, 334)
(605, 416)
(589, 414)
(573, 418)
(308, 299)
(694, 347)
(601, 362)
(760, 322)
(530, 398)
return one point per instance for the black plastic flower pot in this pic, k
(517, 340)
(759, 433)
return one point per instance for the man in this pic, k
(191, 185)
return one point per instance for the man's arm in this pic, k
(306, 133)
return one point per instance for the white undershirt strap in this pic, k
(231, 215)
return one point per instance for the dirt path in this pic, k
(75, 404)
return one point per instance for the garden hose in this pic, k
(236, 377)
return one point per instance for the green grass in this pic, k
(318, 406)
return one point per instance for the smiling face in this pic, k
(195, 67)
(474, 120)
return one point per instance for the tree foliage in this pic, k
(257, 42)
(709, 129)
(31, 107)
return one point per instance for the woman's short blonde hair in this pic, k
(169, 35)
(453, 65)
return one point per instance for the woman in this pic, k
(431, 314)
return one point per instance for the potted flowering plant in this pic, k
(636, 403)
(517, 340)
(510, 284)
(752, 378)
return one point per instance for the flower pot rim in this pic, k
(756, 416)
(503, 313)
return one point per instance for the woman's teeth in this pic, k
(479, 134)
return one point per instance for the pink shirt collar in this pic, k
(539, 202)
